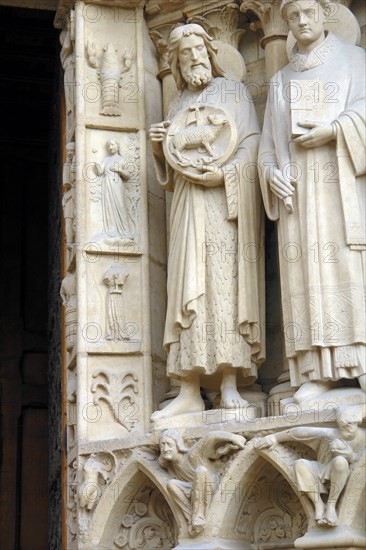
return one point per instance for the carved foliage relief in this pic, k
(148, 523)
(270, 514)
(119, 393)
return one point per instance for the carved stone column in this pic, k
(161, 21)
(275, 32)
(108, 381)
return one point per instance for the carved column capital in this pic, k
(160, 37)
(162, 17)
(270, 20)
(222, 23)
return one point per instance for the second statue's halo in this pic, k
(198, 137)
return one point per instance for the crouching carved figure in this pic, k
(338, 451)
(194, 478)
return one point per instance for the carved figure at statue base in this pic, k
(312, 168)
(194, 479)
(215, 295)
(68, 197)
(338, 450)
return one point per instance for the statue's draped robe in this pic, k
(116, 218)
(322, 243)
(215, 272)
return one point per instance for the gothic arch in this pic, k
(138, 490)
(247, 480)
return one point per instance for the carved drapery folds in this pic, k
(68, 294)
(67, 56)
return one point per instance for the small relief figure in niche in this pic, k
(68, 293)
(96, 472)
(71, 411)
(114, 278)
(67, 56)
(118, 224)
(194, 476)
(111, 68)
(338, 450)
(68, 198)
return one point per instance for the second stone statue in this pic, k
(204, 153)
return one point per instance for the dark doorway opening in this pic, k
(28, 73)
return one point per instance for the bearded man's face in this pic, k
(194, 62)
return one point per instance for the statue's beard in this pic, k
(199, 76)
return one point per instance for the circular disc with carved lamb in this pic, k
(200, 136)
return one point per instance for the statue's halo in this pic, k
(340, 22)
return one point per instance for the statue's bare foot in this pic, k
(198, 525)
(330, 517)
(231, 399)
(319, 510)
(182, 404)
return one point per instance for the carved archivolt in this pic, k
(138, 507)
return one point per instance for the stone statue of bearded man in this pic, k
(215, 284)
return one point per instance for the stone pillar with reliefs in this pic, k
(109, 380)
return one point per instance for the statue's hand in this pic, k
(339, 448)
(212, 177)
(320, 134)
(157, 134)
(280, 186)
(158, 131)
(238, 441)
(268, 442)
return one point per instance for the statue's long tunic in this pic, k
(215, 276)
(322, 243)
